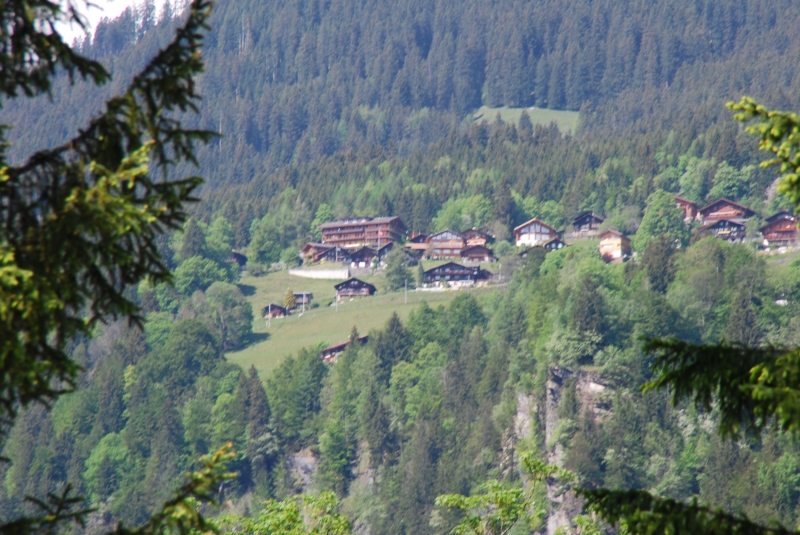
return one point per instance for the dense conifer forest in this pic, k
(335, 108)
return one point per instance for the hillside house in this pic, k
(475, 236)
(477, 253)
(780, 230)
(273, 311)
(311, 250)
(534, 232)
(330, 353)
(237, 258)
(724, 229)
(445, 244)
(453, 274)
(363, 257)
(333, 254)
(555, 244)
(586, 224)
(725, 209)
(614, 246)
(303, 298)
(690, 208)
(353, 288)
(357, 232)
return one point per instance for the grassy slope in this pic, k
(567, 121)
(324, 324)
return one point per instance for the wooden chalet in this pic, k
(614, 246)
(363, 257)
(273, 311)
(329, 354)
(383, 251)
(353, 288)
(455, 275)
(690, 208)
(475, 236)
(555, 244)
(312, 250)
(356, 232)
(477, 253)
(534, 232)
(445, 244)
(725, 209)
(780, 230)
(334, 254)
(587, 224)
(418, 238)
(725, 229)
(303, 298)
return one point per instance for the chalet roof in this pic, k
(359, 221)
(339, 348)
(477, 232)
(553, 244)
(684, 200)
(585, 215)
(721, 223)
(452, 266)
(536, 220)
(302, 294)
(432, 236)
(266, 309)
(611, 232)
(419, 238)
(385, 247)
(353, 283)
(776, 222)
(363, 251)
(783, 214)
(747, 211)
(314, 245)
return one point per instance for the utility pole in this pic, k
(269, 319)
(406, 292)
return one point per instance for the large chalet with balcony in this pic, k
(780, 230)
(724, 229)
(725, 209)
(452, 274)
(446, 244)
(353, 288)
(357, 232)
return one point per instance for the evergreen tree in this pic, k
(659, 261)
(397, 274)
(289, 301)
(742, 322)
(194, 241)
(503, 204)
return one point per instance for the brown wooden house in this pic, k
(330, 353)
(614, 246)
(475, 236)
(455, 274)
(303, 298)
(724, 229)
(690, 208)
(312, 250)
(534, 232)
(477, 253)
(780, 230)
(273, 311)
(725, 209)
(353, 288)
(363, 231)
(587, 224)
(334, 254)
(445, 244)
(363, 257)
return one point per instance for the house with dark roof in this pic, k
(356, 232)
(353, 288)
(586, 224)
(477, 253)
(476, 236)
(330, 353)
(725, 209)
(780, 230)
(452, 274)
(445, 244)
(273, 311)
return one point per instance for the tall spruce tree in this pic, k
(80, 226)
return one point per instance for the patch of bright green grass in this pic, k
(567, 121)
(320, 325)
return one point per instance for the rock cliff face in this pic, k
(588, 391)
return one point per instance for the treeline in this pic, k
(295, 81)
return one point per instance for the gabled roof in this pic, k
(747, 211)
(613, 232)
(477, 232)
(684, 200)
(314, 245)
(472, 248)
(364, 251)
(783, 214)
(419, 238)
(553, 244)
(776, 222)
(353, 283)
(584, 215)
(453, 265)
(536, 220)
(432, 236)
